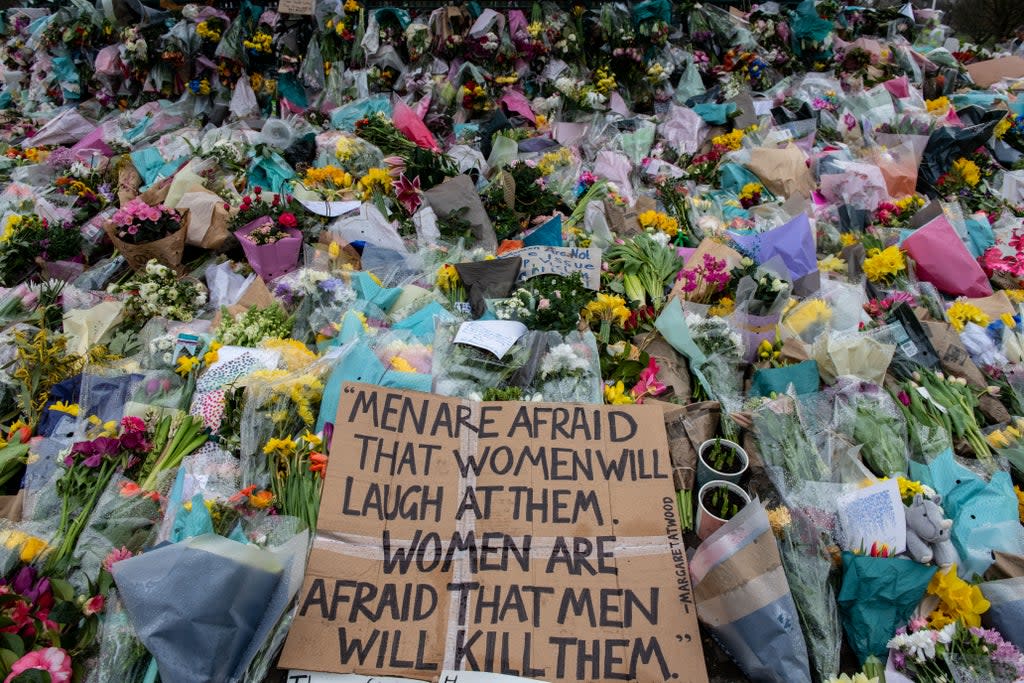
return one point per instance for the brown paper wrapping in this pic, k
(167, 250)
(687, 428)
(1006, 566)
(11, 506)
(957, 362)
(783, 171)
(995, 305)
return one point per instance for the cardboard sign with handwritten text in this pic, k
(529, 539)
(561, 261)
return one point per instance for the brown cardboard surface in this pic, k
(472, 570)
(984, 74)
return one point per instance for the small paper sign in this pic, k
(873, 516)
(296, 6)
(496, 336)
(561, 261)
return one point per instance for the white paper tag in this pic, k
(330, 209)
(496, 336)
(924, 392)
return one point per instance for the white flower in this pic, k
(660, 237)
(168, 358)
(562, 360)
(710, 224)
(777, 285)
(594, 99)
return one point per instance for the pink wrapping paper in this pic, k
(517, 103)
(412, 126)
(93, 142)
(943, 260)
(898, 87)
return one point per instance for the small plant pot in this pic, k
(706, 472)
(709, 522)
(270, 260)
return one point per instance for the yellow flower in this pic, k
(731, 141)
(962, 312)
(186, 364)
(211, 356)
(938, 106)
(881, 265)
(375, 180)
(723, 308)
(448, 278)
(967, 171)
(807, 313)
(351, 6)
(10, 226)
(1008, 320)
(330, 177)
(998, 439)
(779, 519)
(751, 189)
(1001, 128)
(847, 239)
(1020, 503)
(832, 264)
(312, 439)
(607, 307)
(69, 408)
(334, 250)
(909, 488)
(32, 548)
(402, 365)
(282, 447)
(616, 394)
(1016, 295)
(294, 354)
(659, 221)
(261, 499)
(958, 599)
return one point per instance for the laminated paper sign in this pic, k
(560, 261)
(528, 539)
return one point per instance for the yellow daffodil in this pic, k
(731, 141)
(186, 364)
(832, 264)
(211, 356)
(962, 312)
(69, 408)
(616, 394)
(607, 307)
(725, 306)
(958, 600)
(937, 106)
(657, 220)
(967, 171)
(282, 447)
(401, 365)
(882, 265)
(376, 180)
(848, 239)
(448, 278)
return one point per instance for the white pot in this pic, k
(706, 473)
(707, 521)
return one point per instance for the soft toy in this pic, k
(928, 532)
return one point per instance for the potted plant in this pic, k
(722, 460)
(272, 248)
(717, 503)
(269, 233)
(142, 232)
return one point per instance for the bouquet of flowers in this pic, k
(547, 302)
(297, 470)
(955, 652)
(139, 223)
(254, 326)
(26, 238)
(283, 211)
(158, 292)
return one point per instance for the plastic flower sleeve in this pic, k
(125, 518)
(743, 598)
(209, 635)
(122, 655)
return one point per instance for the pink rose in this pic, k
(287, 219)
(52, 660)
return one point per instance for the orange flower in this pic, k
(509, 245)
(318, 463)
(130, 488)
(243, 494)
(261, 499)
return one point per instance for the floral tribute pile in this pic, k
(798, 230)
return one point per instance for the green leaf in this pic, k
(62, 590)
(33, 676)
(9, 641)
(7, 660)
(65, 612)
